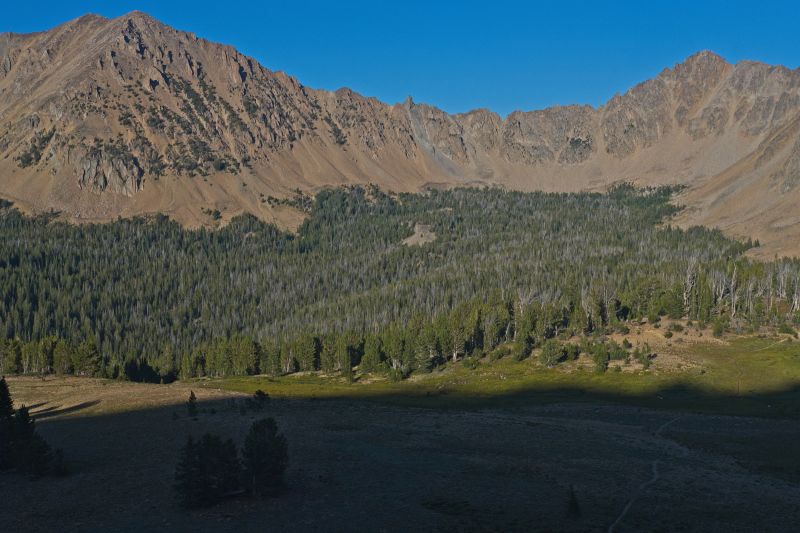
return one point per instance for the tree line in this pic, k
(147, 300)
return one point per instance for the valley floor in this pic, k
(428, 462)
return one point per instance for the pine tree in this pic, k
(191, 405)
(6, 403)
(12, 359)
(6, 425)
(265, 457)
(306, 351)
(166, 365)
(62, 358)
(344, 358)
(88, 360)
(30, 452)
(207, 471)
(188, 475)
(373, 355)
(328, 361)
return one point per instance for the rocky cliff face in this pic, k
(164, 121)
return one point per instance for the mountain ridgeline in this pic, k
(118, 117)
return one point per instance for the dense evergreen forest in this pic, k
(149, 300)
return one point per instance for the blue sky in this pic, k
(462, 55)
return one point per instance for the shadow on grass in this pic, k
(58, 410)
(779, 403)
(782, 403)
(134, 452)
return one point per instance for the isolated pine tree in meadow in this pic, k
(191, 405)
(30, 452)
(265, 456)
(207, 471)
(6, 421)
(188, 475)
(6, 403)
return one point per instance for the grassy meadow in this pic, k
(747, 375)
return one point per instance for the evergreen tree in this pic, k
(30, 452)
(265, 457)
(372, 362)
(306, 351)
(328, 362)
(344, 357)
(207, 471)
(62, 357)
(191, 405)
(6, 403)
(165, 365)
(87, 360)
(189, 475)
(11, 360)
(6, 425)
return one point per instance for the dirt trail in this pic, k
(647, 483)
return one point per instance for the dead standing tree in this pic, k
(689, 285)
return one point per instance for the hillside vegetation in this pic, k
(149, 300)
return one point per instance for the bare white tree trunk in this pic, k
(733, 291)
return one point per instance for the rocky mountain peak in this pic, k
(103, 117)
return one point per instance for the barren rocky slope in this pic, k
(102, 118)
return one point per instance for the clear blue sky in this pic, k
(462, 55)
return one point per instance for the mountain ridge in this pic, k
(117, 117)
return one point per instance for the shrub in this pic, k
(470, 363)
(552, 352)
(643, 356)
(572, 351)
(522, 349)
(616, 352)
(787, 329)
(500, 352)
(600, 358)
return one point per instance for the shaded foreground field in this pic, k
(495, 448)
